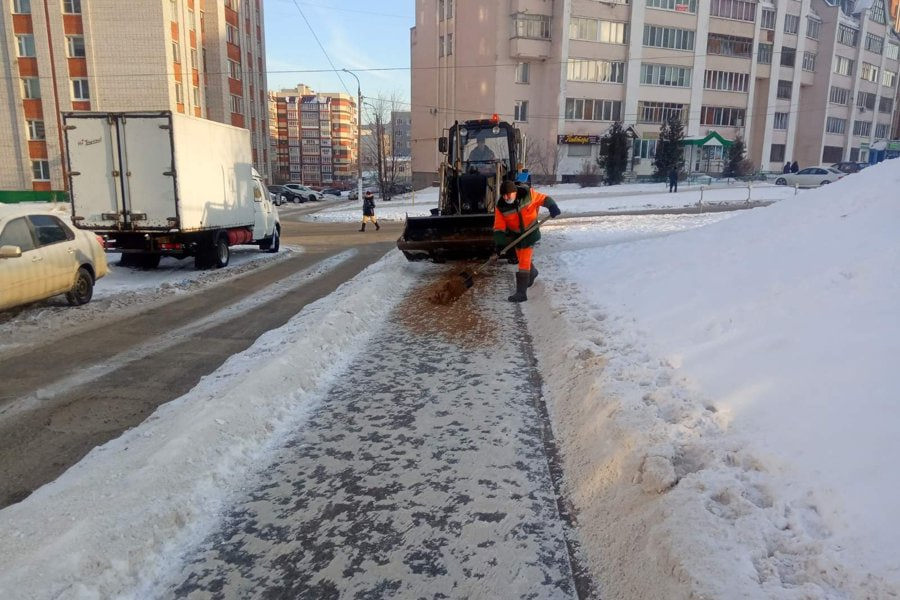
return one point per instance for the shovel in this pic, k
(468, 277)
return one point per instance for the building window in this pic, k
(578, 150)
(686, 6)
(788, 56)
(813, 26)
(193, 58)
(195, 92)
(767, 19)
(869, 72)
(587, 109)
(75, 46)
(179, 94)
(644, 148)
(839, 95)
(764, 54)
(659, 112)
(847, 36)
(727, 81)
(835, 125)
(791, 24)
(25, 45)
(72, 7)
(666, 75)
(31, 87)
(865, 100)
(881, 130)
(784, 89)
(832, 154)
(843, 66)
(234, 69)
(449, 44)
(173, 6)
(668, 37)
(885, 105)
(22, 7)
(192, 18)
(237, 104)
(862, 128)
(176, 53)
(888, 78)
(729, 45)
(893, 51)
(531, 26)
(80, 89)
(232, 35)
(776, 154)
(878, 12)
(36, 130)
(522, 72)
(449, 9)
(874, 43)
(40, 170)
(600, 71)
(781, 121)
(723, 116)
(441, 10)
(809, 61)
(521, 111)
(595, 30)
(742, 10)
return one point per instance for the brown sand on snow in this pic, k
(460, 320)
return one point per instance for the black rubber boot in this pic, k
(377, 226)
(522, 278)
(533, 275)
(363, 228)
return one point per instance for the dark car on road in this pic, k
(848, 166)
(331, 192)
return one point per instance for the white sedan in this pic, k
(810, 177)
(42, 255)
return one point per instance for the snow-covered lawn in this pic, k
(723, 389)
(573, 199)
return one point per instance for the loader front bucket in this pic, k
(448, 237)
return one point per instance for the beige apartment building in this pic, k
(807, 80)
(198, 57)
(313, 136)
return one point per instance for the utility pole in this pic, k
(359, 177)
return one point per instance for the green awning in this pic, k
(704, 141)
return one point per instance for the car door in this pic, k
(22, 279)
(804, 177)
(57, 245)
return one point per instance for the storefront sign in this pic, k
(578, 139)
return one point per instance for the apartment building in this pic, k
(401, 127)
(204, 58)
(564, 70)
(313, 136)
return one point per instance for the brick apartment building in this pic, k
(204, 58)
(313, 136)
(807, 80)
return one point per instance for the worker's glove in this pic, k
(498, 251)
(554, 211)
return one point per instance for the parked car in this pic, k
(847, 167)
(277, 194)
(42, 256)
(302, 193)
(354, 193)
(331, 192)
(810, 176)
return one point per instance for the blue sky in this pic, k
(357, 34)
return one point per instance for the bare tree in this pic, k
(379, 146)
(543, 158)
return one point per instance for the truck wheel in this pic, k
(148, 261)
(222, 253)
(272, 244)
(83, 288)
(128, 260)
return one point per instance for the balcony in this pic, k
(531, 6)
(529, 48)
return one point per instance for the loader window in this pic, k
(483, 149)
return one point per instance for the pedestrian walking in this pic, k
(369, 211)
(673, 180)
(787, 167)
(795, 167)
(516, 211)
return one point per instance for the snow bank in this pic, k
(726, 398)
(118, 517)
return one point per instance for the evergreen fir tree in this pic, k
(669, 151)
(613, 158)
(734, 162)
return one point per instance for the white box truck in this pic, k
(158, 184)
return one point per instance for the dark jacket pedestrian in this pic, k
(787, 167)
(673, 180)
(369, 211)
(795, 167)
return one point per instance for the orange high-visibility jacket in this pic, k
(510, 220)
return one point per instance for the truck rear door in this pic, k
(150, 184)
(96, 186)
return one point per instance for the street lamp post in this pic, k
(359, 177)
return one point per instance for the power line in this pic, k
(356, 10)
(333, 68)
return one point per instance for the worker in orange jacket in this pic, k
(516, 211)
